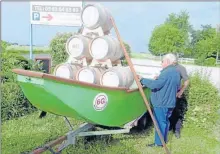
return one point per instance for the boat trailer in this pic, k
(82, 130)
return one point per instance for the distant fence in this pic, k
(159, 58)
(187, 60)
(181, 60)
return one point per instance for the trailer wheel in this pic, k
(142, 122)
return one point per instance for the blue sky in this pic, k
(135, 20)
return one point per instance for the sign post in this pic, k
(31, 42)
(54, 13)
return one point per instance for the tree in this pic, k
(174, 23)
(180, 21)
(206, 32)
(205, 45)
(206, 49)
(166, 38)
(128, 49)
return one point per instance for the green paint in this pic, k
(74, 100)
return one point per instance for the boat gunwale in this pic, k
(70, 81)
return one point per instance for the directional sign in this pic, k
(56, 13)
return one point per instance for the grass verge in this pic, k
(27, 133)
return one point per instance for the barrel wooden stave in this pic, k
(66, 70)
(90, 74)
(77, 47)
(96, 15)
(105, 47)
(117, 77)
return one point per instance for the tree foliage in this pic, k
(173, 35)
(206, 45)
(58, 48)
(166, 38)
(128, 49)
(206, 32)
(178, 35)
(180, 21)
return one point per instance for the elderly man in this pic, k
(163, 95)
(177, 116)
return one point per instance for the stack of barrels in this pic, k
(100, 48)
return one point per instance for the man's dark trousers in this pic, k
(162, 117)
(178, 113)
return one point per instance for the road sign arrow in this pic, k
(49, 17)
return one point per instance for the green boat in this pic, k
(95, 104)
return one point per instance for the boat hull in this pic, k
(105, 106)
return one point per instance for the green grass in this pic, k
(25, 49)
(29, 132)
(141, 55)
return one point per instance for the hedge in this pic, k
(203, 101)
(14, 103)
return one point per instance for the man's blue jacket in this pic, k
(164, 89)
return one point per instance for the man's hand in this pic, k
(179, 94)
(155, 78)
(139, 77)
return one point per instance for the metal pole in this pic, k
(140, 87)
(31, 43)
(83, 4)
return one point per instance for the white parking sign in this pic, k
(56, 13)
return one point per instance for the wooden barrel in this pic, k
(77, 47)
(94, 16)
(66, 70)
(106, 47)
(117, 77)
(90, 74)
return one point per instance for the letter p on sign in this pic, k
(36, 16)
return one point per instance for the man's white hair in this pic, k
(171, 57)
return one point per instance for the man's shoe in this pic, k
(177, 134)
(154, 145)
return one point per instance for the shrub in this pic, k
(210, 62)
(58, 48)
(14, 103)
(206, 62)
(123, 59)
(203, 101)
(11, 61)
